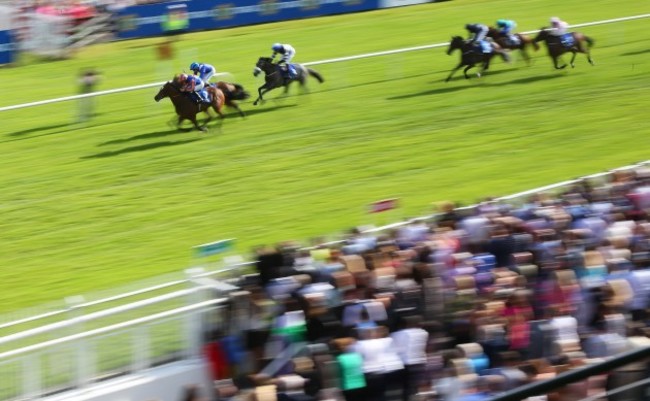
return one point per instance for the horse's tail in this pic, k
(590, 41)
(239, 93)
(316, 75)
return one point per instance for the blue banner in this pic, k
(6, 48)
(151, 19)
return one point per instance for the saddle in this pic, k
(513, 40)
(197, 98)
(288, 71)
(567, 40)
(482, 47)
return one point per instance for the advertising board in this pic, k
(150, 19)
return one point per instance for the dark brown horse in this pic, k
(186, 108)
(233, 92)
(523, 42)
(581, 44)
(274, 78)
(470, 57)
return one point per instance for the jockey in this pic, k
(558, 27)
(204, 71)
(506, 28)
(194, 84)
(479, 31)
(287, 52)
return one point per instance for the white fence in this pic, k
(86, 349)
(326, 61)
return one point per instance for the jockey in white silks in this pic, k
(287, 53)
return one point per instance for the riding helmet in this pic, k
(194, 66)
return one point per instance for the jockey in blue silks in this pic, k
(204, 71)
(506, 28)
(194, 84)
(479, 31)
(287, 52)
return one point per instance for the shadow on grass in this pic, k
(260, 109)
(472, 73)
(43, 128)
(150, 135)
(535, 78)
(437, 91)
(139, 148)
(636, 53)
(381, 81)
(71, 127)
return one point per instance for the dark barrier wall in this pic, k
(150, 20)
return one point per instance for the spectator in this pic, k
(410, 342)
(88, 80)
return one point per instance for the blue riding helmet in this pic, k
(276, 47)
(468, 26)
(194, 66)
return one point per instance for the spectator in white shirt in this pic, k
(410, 342)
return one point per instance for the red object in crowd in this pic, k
(217, 360)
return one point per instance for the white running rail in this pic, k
(326, 61)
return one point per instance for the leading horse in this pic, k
(186, 108)
(580, 43)
(274, 76)
(522, 42)
(470, 57)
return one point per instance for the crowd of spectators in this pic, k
(464, 306)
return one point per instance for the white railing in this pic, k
(326, 61)
(119, 297)
(87, 348)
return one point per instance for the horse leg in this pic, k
(239, 110)
(589, 58)
(557, 67)
(234, 105)
(524, 54)
(217, 108)
(453, 71)
(467, 69)
(585, 49)
(261, 90)
(196, 124)
(573, 58)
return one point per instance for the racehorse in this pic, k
(274, 77)
(186, 107)
(581, 44)
(505, 42)
(233, 92)
(470, 57)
